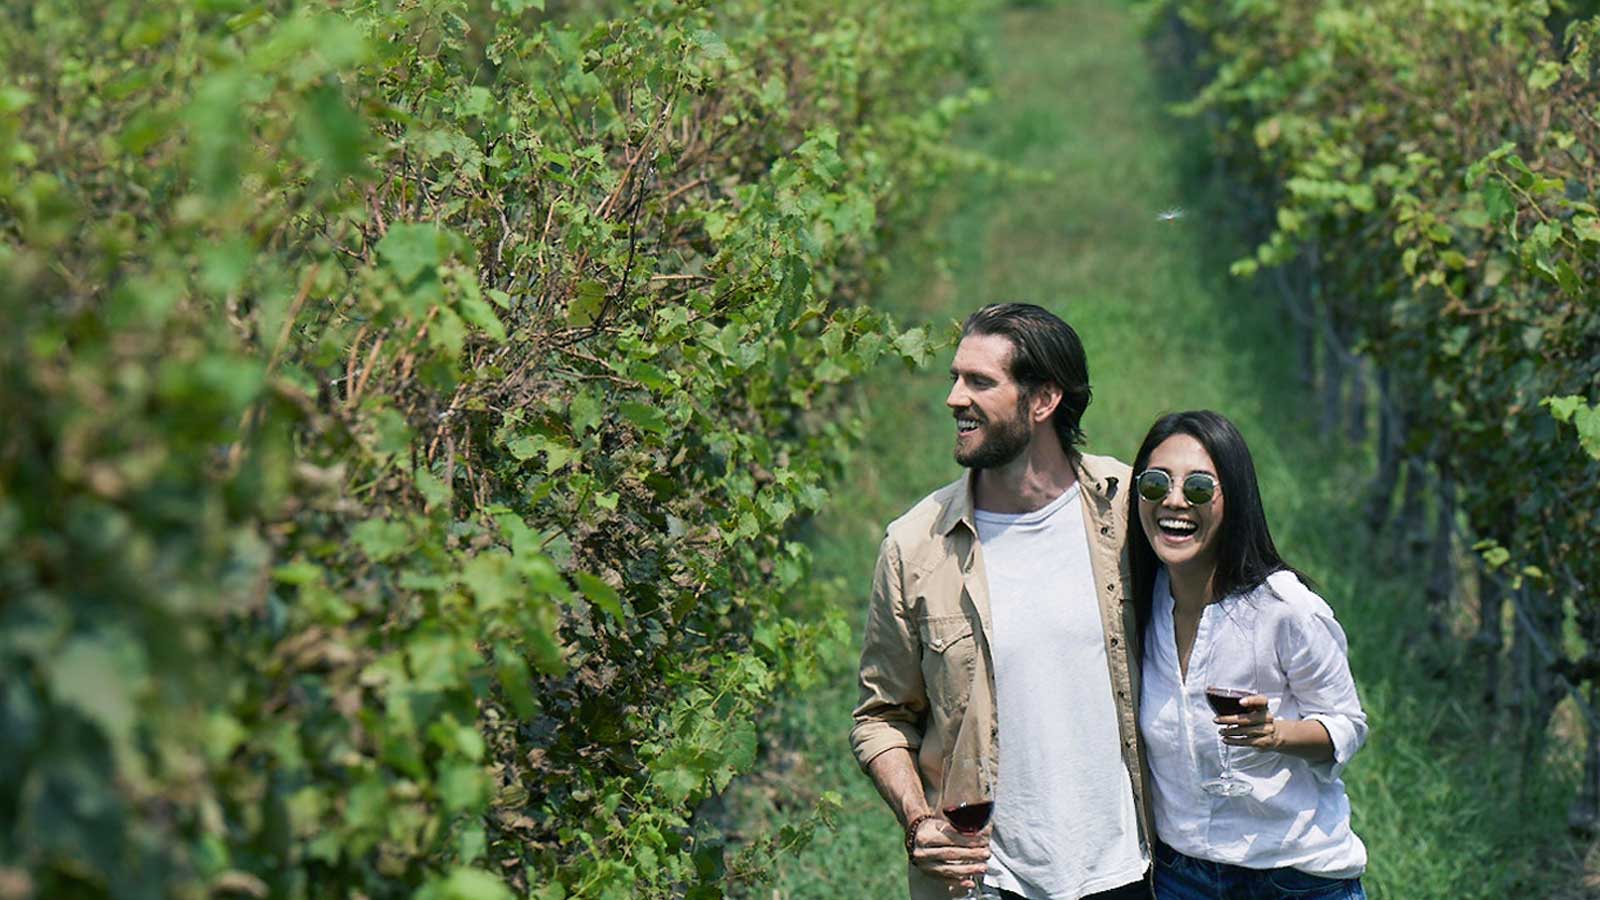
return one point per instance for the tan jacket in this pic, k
(927, 679)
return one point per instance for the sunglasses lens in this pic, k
(1154, 484)
(1199, 488)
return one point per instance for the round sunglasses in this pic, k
(1198, 487)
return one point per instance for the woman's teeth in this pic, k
(1177, 527)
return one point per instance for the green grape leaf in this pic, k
(601, 594)
(587, 302)
(411, 249)
(381, 539)
(465, 884)
(333, 133)
(1582, 416)
(647, 418)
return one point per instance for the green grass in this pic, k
(1165, 328)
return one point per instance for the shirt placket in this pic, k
(1208, 634)
(1191, 689)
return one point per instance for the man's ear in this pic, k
(1042, 405)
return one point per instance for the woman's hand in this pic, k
(943, 852)
(1258, 729)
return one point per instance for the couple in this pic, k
(1042, 633)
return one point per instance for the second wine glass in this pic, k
(967, 801)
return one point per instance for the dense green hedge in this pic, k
(405, 404)
(1424, 180)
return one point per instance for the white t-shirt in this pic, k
(1064, 817)
(1280, 640)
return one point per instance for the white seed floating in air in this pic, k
(1170, 215)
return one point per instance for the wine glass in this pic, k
(1226, 701)
(967, 801)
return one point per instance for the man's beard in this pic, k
(1005, 441)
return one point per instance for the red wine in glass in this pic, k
(969, 818)
(1226, 701)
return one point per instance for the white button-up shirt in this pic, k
(1279, 640)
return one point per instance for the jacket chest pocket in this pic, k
(949, 659)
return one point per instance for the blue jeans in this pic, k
(1180, 877)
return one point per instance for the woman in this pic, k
(1266, 816)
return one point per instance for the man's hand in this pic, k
(937, 848)
(943, 852)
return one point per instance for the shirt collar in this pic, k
(959, 510)
(1103, 489)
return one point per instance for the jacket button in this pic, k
(1105, 529)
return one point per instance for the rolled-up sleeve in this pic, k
(893, 700)
(1318, 668)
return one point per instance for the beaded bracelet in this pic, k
(911, 830)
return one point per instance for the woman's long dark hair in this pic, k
(1245, 552)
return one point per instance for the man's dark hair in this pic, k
(1246, 554)
(1045, 350)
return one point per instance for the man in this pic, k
(997, 641)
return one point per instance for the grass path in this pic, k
(1165, 328)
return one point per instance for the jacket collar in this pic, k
(1093, 473)
(958, 509)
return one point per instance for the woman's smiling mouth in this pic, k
(1176, 529)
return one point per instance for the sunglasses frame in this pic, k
(1214, 489)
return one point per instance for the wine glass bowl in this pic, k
(1227, 701)
(969, 818)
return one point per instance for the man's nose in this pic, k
(957, 397)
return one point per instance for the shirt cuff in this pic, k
(1345, 744)
(871, 739)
